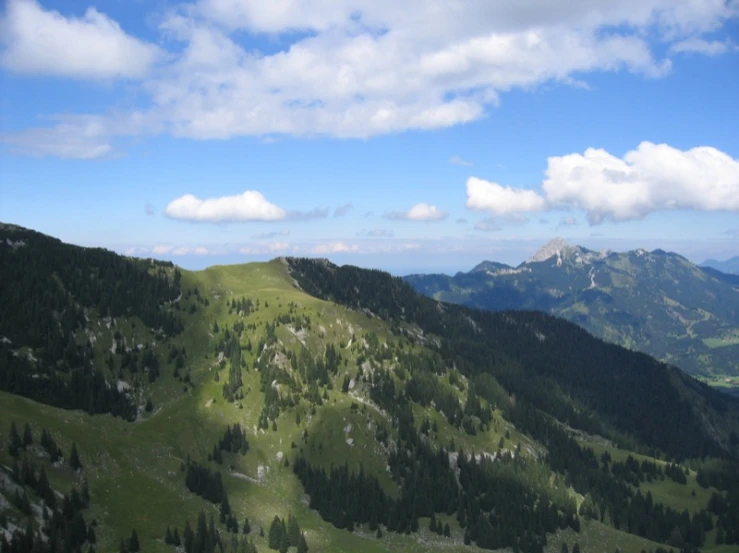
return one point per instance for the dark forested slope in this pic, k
(554, 365)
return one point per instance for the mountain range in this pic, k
(656, 302)
(297, 405)
(730, 265)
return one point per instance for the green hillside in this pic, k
(655, 302)
(400, 414)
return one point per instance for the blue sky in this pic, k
(425, 138)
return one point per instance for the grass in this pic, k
(134, 470)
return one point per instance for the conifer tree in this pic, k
(74, 458)
(293, 531)
(27, 436)
(14, 440)
(302, 544)
(133, 542)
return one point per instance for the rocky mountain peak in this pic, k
(556, 246)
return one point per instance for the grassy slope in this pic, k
(134, 469)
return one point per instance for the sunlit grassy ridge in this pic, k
(134, 469)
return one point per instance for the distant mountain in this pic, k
(656, 302)
(728, 266)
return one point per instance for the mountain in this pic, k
(296, 405)
(656, 302)
(729, 266)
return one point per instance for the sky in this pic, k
(415, 136)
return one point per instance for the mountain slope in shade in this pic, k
(729, 266)
(656, 302)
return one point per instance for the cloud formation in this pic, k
(248, 206)
(488, 225)
(335, 247)
(654, 177)
(376, 233)
(651, 178)
(268, 235)
(488, 196)
(355, 68)
(704, 47)
(419, 212)
(37, 41)
(568, 221)
(456, 160)
(343, 210)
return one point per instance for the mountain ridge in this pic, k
(657, 302)
(395, 413)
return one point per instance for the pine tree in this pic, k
(576, 548)
(176, 538)
(27, 436)
(168, 539)
(74, 458)
(91, 537)
(293, 531)
(274, 534)
(247, 527)
(14, 440)
(133, 542)
(302, 544)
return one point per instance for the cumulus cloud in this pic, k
(488, 225)
(568, 221)
(335, 247)
(177, 250)
(488, 196)
(268, 235)
(316, 213)
(343, 210)
(248, 206)
(355, 68)
(419, 212)
(376, 233)
(456, 160)
(701, 46)
(92, 46)
(278, 246)
(651, 178)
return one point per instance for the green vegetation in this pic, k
(413, 426)
(655, 302)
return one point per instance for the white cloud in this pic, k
(651, 178)
(488, 196)
(456, 160)
(568, 221)
(419, 212)
(335, 247)
(696, 45)
(316, 213)
(376, 233)
(93, 46)
(488, 225)
(161, 250)
(267, 235)
(248, 206)
(278, 246)
(343, 210)
(354, 68)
